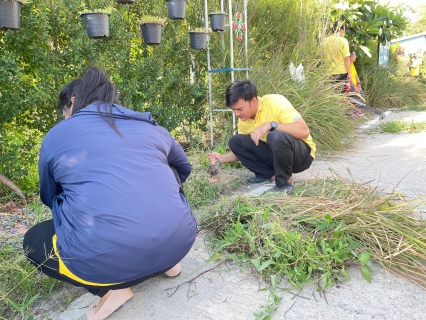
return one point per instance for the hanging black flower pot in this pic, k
(176, 9)
(97, 24)
(197, 39)
(10, 14)
(217, 21)
(151, 32)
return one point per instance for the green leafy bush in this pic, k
(385, 89)
(20, 147)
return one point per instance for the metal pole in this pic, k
(231, 45)
(246, 37)
(206, 18)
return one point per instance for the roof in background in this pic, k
(423, 34)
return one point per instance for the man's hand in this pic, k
(257, 133)
(215, 157)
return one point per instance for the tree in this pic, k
(419, 25)
(369, 21)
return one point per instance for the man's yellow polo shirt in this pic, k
(273, 107)
(334, 51)
(353, 73)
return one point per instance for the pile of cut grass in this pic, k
(313, 236)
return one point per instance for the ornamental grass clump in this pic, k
(315, 235)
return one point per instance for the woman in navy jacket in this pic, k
(112, 178)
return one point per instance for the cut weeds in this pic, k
(313, 236)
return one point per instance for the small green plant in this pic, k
(400, 125)
(270, 307)
(152, 19)
(23, 306)
(105, 10)
(201, 30)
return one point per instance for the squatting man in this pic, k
(273, 140)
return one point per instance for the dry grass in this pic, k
(325, 227)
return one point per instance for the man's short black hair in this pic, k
(339, 25)
(240, 89)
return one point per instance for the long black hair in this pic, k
(66, 93)
(93, 87)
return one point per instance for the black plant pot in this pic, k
(217, 21)
(126, 1)
(198, 40)
(10, 14)
(97, 24)
(176, 9)
(151, 32)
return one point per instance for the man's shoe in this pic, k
(287, 188)
(253, 180)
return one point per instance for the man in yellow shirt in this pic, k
(336, 55)
(402, 61)
(415, 66)
(273, 140)
(356, 83)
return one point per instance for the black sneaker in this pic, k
(253, 180)
(286, 188)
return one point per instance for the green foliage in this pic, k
(386, 89)
(367, 20)
(415, 107)
(420, 24)
(20, 147)
(23, 306)
(201, 189)
(313, 236)
(151, 19)
(52, 47)
(21, 283)
(400, 125)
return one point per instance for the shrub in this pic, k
(385, 89)
(19, 156)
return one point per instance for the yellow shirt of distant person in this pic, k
(273, 107)
(335, 49)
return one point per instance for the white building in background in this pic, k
(415, 43)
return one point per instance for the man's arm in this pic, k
(348, 69)
(298, 129)
(228, 157)
(358, 83)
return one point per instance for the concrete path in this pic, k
(390, 161)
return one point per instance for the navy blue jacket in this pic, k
(116, 206)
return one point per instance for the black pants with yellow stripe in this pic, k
(39, 249)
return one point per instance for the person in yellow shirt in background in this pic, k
(414, 66)
(355, 85)
(402, 60)
(273, 140)
(336, 56)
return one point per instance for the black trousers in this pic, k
(341, 80)
(39, 250)
(282, 156)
